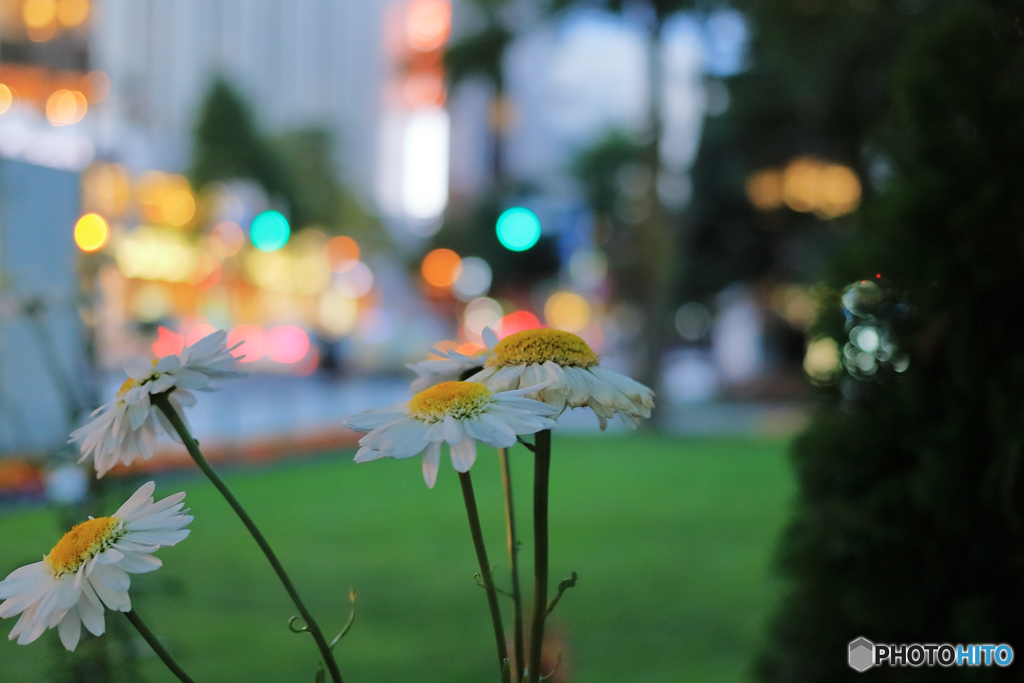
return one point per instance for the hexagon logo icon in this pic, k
(862, 654)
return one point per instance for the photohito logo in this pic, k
(863, 654)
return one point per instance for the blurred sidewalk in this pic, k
(274, 411)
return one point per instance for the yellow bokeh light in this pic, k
(39, 14)
(178, 207)
(764, 189)
(6, 99)
(153, 253)
(91, 232)
(62, 108)
(441, 267)
(337, 313)
(822, 358)
(567, 311)
(71, 13)
(800, 183)
(105, 188)
(840, 192)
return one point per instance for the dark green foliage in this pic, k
(320, 199)
(910, 514)
(479, 53)
(228, 145)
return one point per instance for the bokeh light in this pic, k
(91, 232)
(178, 207)
(428, 24)
(692, 321)
(481, 313)
(806, 185)
(150, 303)
(167, 342)
(106, 189)
(355, 282)
(38, 14)
(65, 107)
(226, 239)
(199, 331)
(269, 231)
(287, 344)
(6, 99)
(153, 253)
(474, 279)
(822, 358)
(588, 268)
(567, 311)
(518, 229)
(337, 313)
(253, 342)
(95, 86)
(71, 13)
(342, 253)
(441, 267)
(516, 322)
(764, 189)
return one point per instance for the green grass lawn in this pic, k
(672, 539)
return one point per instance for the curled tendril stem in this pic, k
(563, 586)
(162, 402)
(351, 620)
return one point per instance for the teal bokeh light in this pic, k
(518, 229)
(269, 231)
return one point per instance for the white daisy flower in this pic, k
(126, 428)
(460, 413)
(451, 367)
(569, 369)
(88, 569)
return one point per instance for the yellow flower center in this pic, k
(537, 346)
(458, 399)
(83, 543)
(128, 384)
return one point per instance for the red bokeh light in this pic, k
(287, 344)
(167, 342)
(516, 322)
(254, 344)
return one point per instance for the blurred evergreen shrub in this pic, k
(910, 512)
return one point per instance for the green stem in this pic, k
(542, 470)
(513, 557)
(161, 402)
(158, 648)
(485, 573)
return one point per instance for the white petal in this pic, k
(70, 629)
(142, 497)
(431, 462)
(490, 430)
(138, 368)
(366, 454)
(463, 454)
(138, 413)
(452, 430)
(190, 379)
(372, 419)
(489, 337)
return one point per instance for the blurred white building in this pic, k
(298, 63)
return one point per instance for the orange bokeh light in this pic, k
(428, 24)
(441, 267)
(342, 253)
